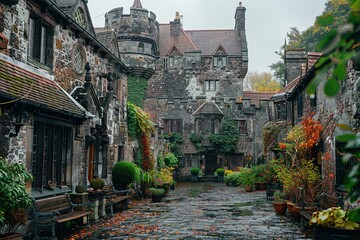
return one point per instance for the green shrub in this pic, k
(97, 183)
(137, 173)
(195, 171)
(171, 160)
(157, 191)
(220, 171)
(246, 177)
(232, 179)
(79, 188)
(123, 174)
(259, 172)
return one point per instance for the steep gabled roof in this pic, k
(108, 38)
(208, 41)
(27, 87)
(208, 108)
(166, 42)
(220, 50)
(174, 51)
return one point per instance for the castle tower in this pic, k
(137, 35)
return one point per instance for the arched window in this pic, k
(141, 47)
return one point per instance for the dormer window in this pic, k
(219, 61)
(141, 48)
(80, 17)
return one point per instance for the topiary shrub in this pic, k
(195, 171)
(123, 174)
(79, 188)
(220, 171)
(97, 183)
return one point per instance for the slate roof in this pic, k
(166, 43)
(255, 97)
(66, 5)
(208, 41)
(33, 89)
(208, 108)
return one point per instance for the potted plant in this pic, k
(334, 223)
(145, 181)
(157, 194)
(97, 183)
(246, 179)
(13, 196)
(194, 171)
(260, 177)
(220, 172)
(279, 203)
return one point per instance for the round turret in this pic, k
(137, 34)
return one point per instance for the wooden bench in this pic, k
(54, 210)
(114, 197)
(325, 201)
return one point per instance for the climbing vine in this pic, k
(269, 134)
(175, 140)
(136, 89)
(197, 140)
(140, 126)
(228, 137)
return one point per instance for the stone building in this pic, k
(195, 81)
(62, 94)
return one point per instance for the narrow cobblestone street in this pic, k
(198, 211)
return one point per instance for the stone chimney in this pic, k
(175, 26)
(296, 61)
(240, 18)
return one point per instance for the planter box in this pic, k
(335, 233)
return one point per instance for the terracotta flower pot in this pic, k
(248, 188)
(295, 213)
(280, 208)
(290, 206)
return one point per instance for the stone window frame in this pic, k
(78, 53)
(242, 125)
(80, 17)
(171, 61)
(141, 47)
(219, 61)
(173, 125)
(211, 85)
(41, 39)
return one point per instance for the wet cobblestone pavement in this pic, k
(198, 211)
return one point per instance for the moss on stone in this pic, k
(137, 87)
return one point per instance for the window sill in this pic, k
(47, 192)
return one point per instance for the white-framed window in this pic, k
(219, 61)
(211, 85)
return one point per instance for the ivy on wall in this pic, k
(137, 88)
(228, 137)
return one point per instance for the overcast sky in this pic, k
(267, 21)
